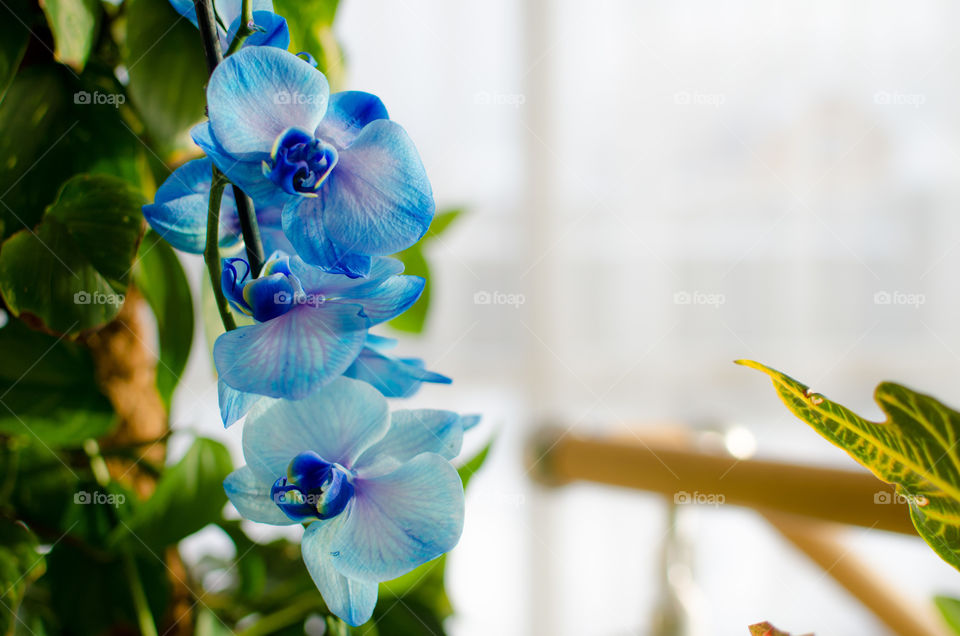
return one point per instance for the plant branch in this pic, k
(293, 612)
(247, 27)
(211, 253)
(206, 23)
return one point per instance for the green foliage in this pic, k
(311, 30)
(14, 35)
(74, 24)
(160, 277)
(415, 263)
(81, 152)
(950, 611)
(20, 565)
(89, 592)
(51, 130)
(71, 273)
(188, 496)
(167, 76)
(915, 448)
(48, 389)
(473, 465)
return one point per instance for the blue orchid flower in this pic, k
(393, 377)
(350, 180)
(179, 212)
(271, 29)
(377, 490)
(310, 325)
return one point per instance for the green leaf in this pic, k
(159, 275)
(415, 264)
(472, 465)
(49, 390)
(90, 593)
(915, 448)
(72, 272)
(209, 625)
(311, 30)
(189, 495)
(414, 319)
(442, 221)
(74, 24)
(51, 130)
(14, 35)
(20, 565)
(167, 76)
(950, 611)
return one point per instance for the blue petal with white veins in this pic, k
(251, 497)
(257, 93)
(377, 200)
(347, 114)
(411, 433)
(400, 520)
(338, 422)
(351, 599)
(294, 354)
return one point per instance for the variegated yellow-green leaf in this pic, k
(915, 448)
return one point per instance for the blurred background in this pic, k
(652, 190)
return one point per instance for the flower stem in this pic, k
(211, 253)
(293, 612)
(144, 617)
(246, 27)
(250, 230)
(206, 23)
(102, 475)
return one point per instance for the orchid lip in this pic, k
(299, 162)
(313, 488)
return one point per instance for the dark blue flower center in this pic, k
(313, 488)
(273, 294)
(299, 162)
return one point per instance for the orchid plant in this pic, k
(306, 204)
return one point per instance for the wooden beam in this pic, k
(672, 469)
